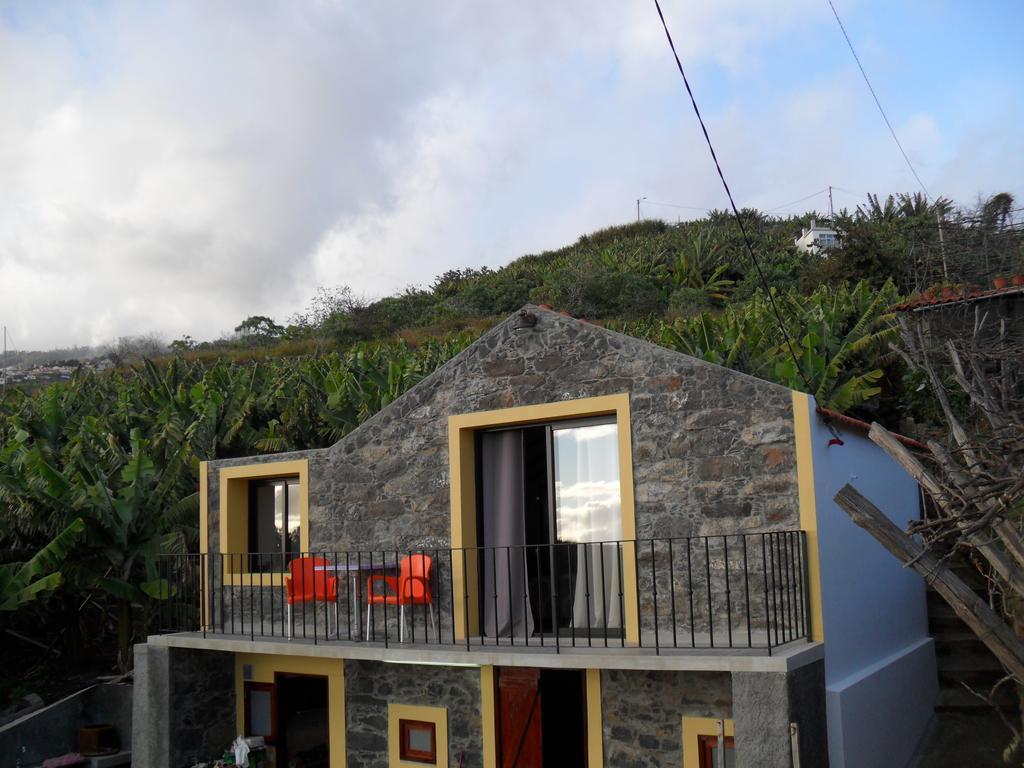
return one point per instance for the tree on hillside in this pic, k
(997, 210)
(134, 349)
(260, 329)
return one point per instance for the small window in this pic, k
(260, 710)
(417, 741)
(274, 523)
(709, 752)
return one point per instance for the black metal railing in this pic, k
(734, 591)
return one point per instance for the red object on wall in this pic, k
(520, 738)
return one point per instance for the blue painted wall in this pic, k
(880, 674)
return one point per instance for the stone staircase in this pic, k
(961, 657)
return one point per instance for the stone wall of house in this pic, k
(371, 686)
(183, 708)
(713, 449)
(642, 712)
(201, 707)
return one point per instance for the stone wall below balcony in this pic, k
(642, 712)
(371, 686)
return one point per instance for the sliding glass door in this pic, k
(549, 506)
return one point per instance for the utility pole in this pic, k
(5, 359)
(831, 214)
(942, 246)
(638, 208)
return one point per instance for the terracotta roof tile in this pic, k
(974, 294)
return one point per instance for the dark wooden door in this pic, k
(520, 737)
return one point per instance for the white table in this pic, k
(354, 569)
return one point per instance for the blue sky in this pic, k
(175, 168)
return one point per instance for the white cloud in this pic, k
(176, 168)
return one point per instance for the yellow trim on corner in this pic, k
(234, 514)
(808, 507)
(263, 668)
(204, 536)
(436, 715)
(204, 520)
(488, 716)
(595, 728)
(462, 467)
(700, 726)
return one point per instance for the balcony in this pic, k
(738, 594)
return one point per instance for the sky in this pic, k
(173, 168)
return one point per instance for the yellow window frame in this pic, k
(436, 715)
(462, 466)
(234, 516)
(695, 727)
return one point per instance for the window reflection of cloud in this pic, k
(588, 434)
(589, 511)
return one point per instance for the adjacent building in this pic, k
(816, 238)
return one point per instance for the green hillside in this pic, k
(103, 469)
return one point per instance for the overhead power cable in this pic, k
(735, 210)
(878, 103)
(794, 202)
(673, 205)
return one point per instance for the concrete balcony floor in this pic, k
(485, 651)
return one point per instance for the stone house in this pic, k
(563, 547)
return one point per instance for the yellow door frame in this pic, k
(462, 462)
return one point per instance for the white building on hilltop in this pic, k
(817, 238)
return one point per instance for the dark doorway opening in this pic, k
(303, 727)
(542, 718)
(564, 717)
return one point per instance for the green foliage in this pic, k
(114, 457)
(22, 583)
(839, 340)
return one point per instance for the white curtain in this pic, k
(588, 510)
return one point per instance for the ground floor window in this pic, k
(417, 741)
(709, 752)
(417, 736)
(260, 710)
(708, 742)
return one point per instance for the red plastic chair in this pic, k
(410, 587)
(305, 584)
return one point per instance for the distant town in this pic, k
(46, 373)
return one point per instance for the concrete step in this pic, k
(980, 680)
(962, 699)
(961, 643)
(969, 662)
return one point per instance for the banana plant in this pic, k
(22, 583)
(837, 337)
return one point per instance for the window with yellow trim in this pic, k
(275, 523)
(417, 741)
(706, 740)
(710, 750)
(263, 516)
(417, 736)
(555, 480)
